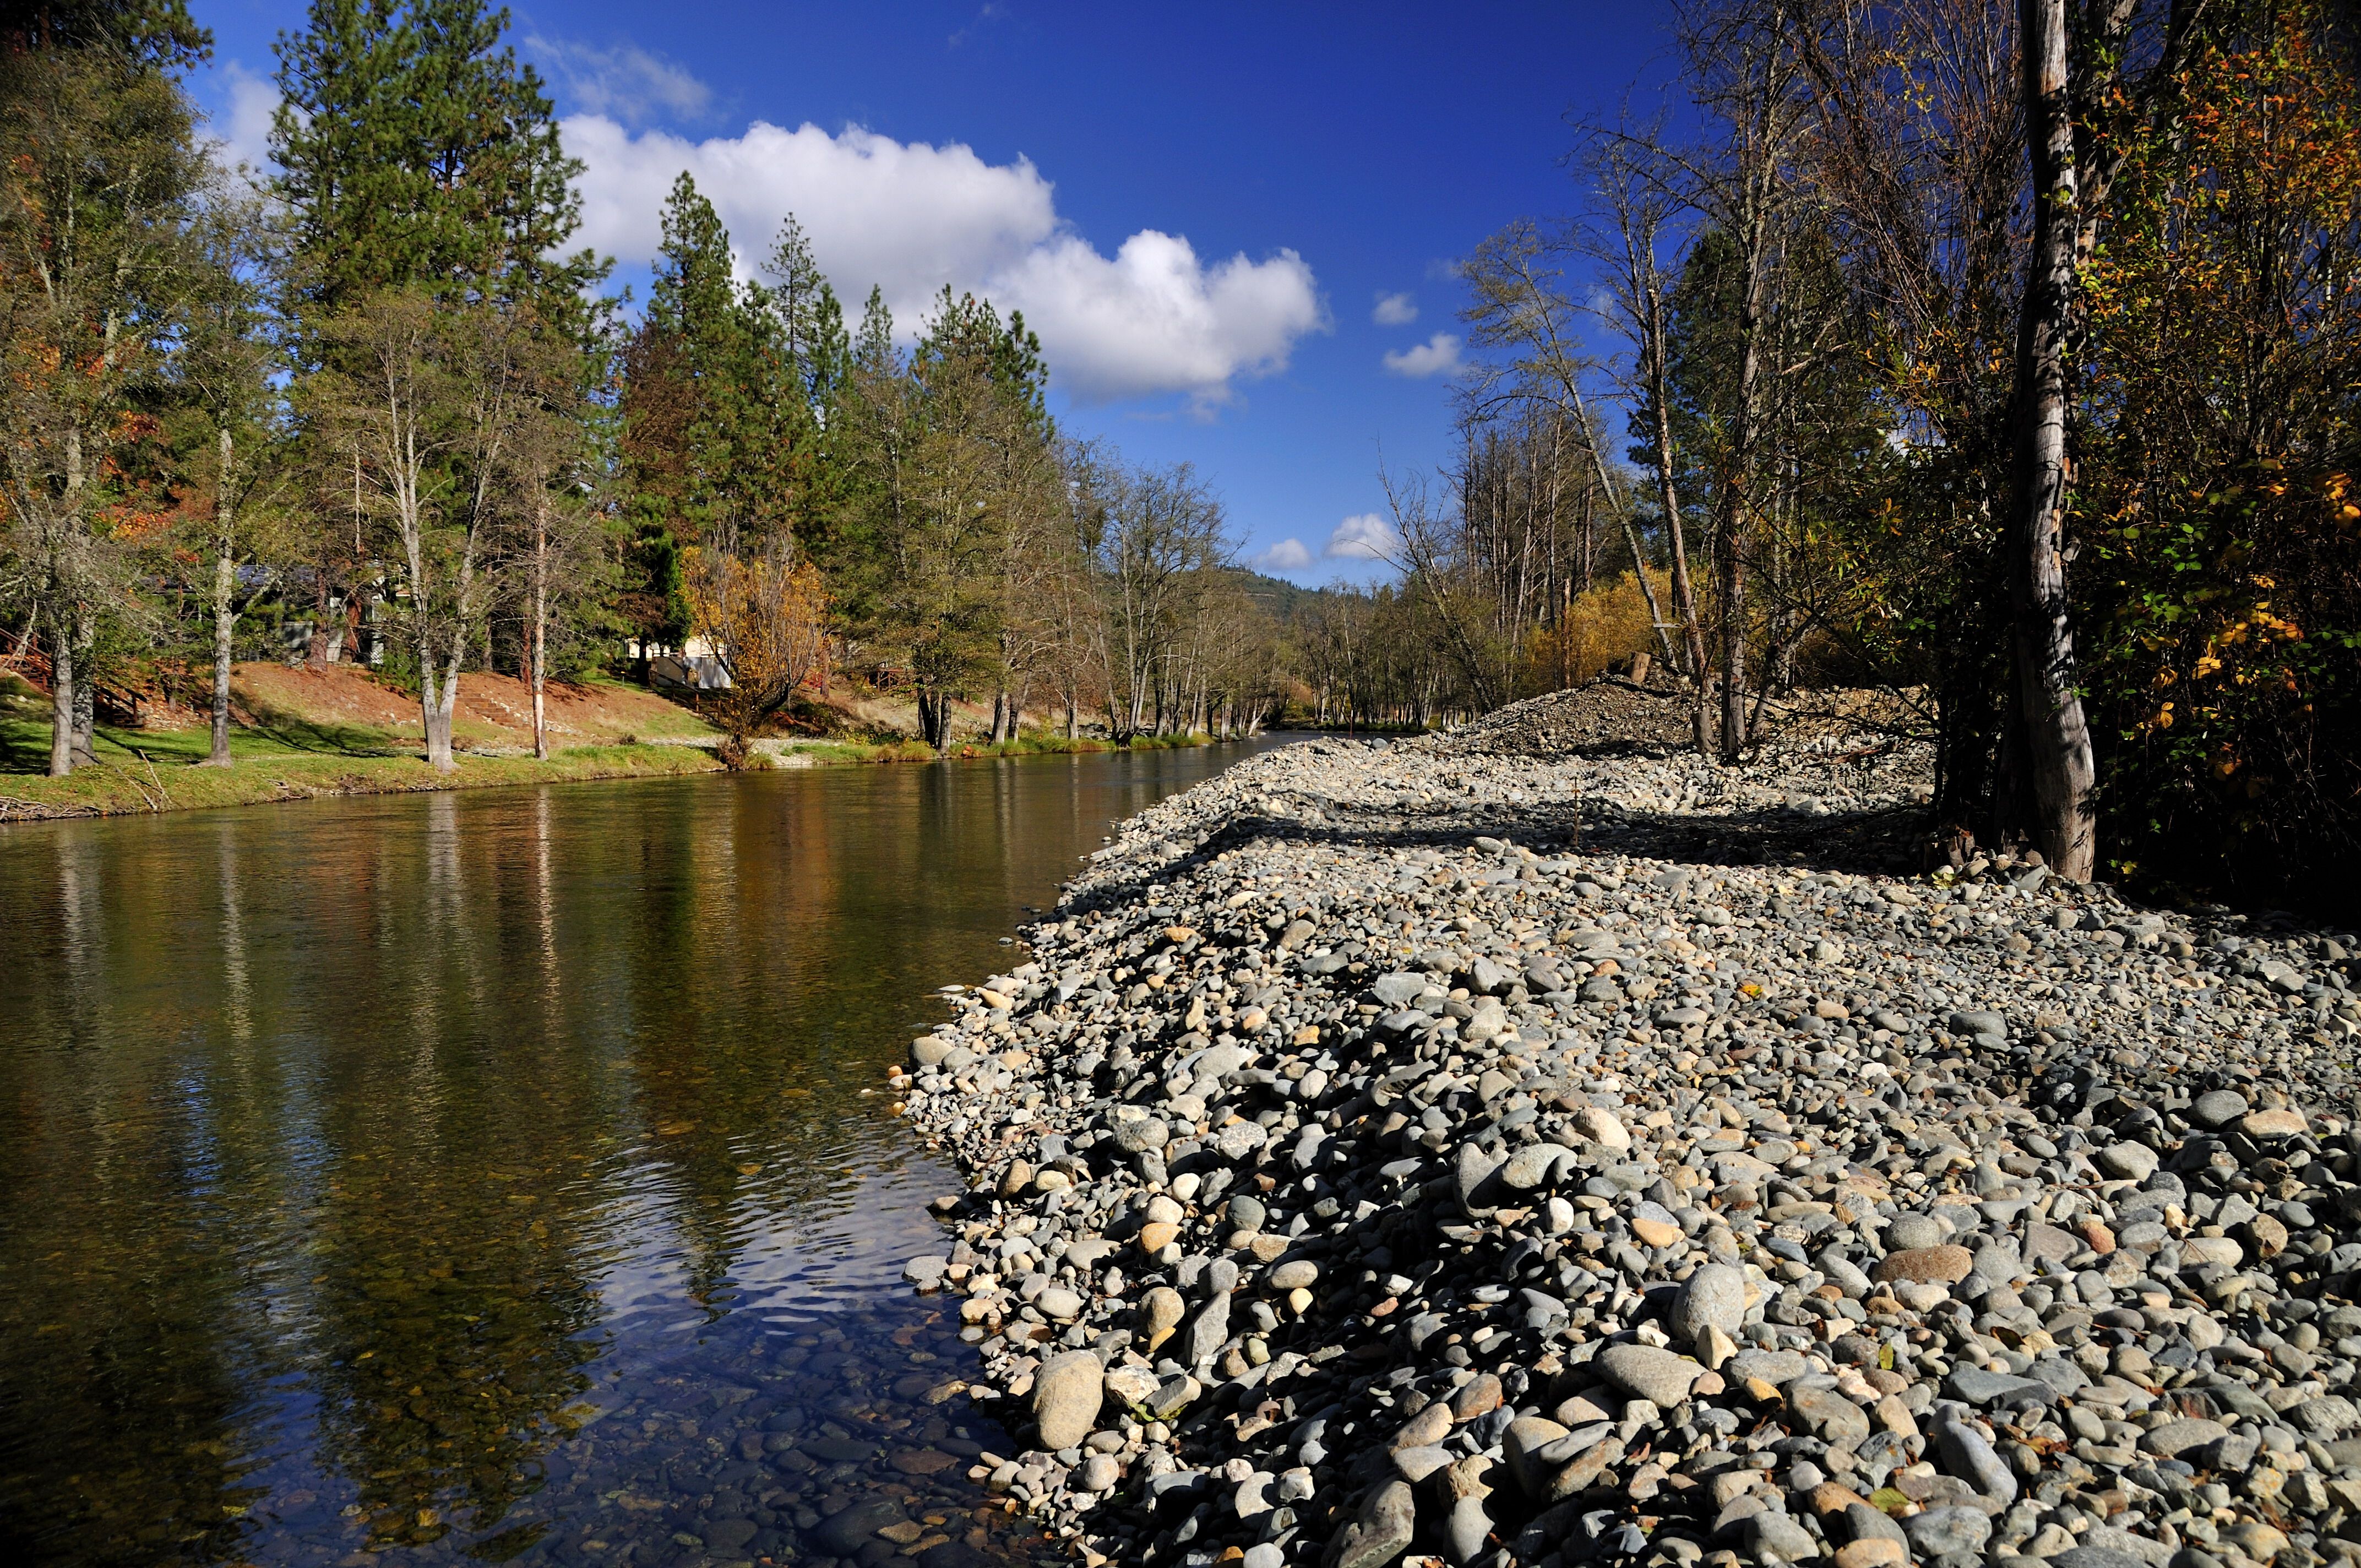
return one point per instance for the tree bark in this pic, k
(62, 696)
(2056, 734)
(540, 627)
(85, 692)
(1684, 595)
(225, 620)
(540, 672)
(436, 707)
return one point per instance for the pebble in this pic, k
(1483, 1081)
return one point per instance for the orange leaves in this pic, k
(765, 620)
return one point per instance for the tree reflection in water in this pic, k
(490, 1176)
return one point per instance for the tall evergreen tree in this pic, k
(416, 150)
(729, 386)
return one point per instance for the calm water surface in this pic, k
(490, 1176)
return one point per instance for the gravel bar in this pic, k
(1437, 1150)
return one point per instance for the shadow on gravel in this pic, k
(1861, 842)
(1857, 843)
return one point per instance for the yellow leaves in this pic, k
(765, 619)
(2163, 718)
(2206, 664)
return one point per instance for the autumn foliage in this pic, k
(2218, 509)
(766, 622)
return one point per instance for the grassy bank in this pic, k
(142, 772)
(291, 755)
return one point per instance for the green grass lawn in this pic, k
(286, 758)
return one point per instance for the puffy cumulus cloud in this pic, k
(625, 82)
(1154, 318)
(1364, 537)
(241, 127)
(1395, 310)
(1157, 318)
(905, 216)
(1438, 356)
(1287, 556)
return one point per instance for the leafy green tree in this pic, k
(159, 35)
(234, 439)
(953, 475)
(98, 171)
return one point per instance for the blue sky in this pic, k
(1199, 210)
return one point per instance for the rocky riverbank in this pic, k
(1439, 1149)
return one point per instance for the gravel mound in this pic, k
(1609, 713)
(1364, 1171)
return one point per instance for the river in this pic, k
(502, 1175)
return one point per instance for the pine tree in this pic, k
(417, 151)
(729, 388)
(811, 319)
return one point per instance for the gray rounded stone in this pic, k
(1713, 1296)
(2218, 1109)
(1908, 1233)
(1940, 1533)
(1067, 1392)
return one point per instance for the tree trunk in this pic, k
(540, 627)
(1731, 563)
(435, 707)
(319, 650)
(224, 620)
(935, 719)
(225, 625)
(540, 671)
(61, 697)
(2055, 736)
(85, 692)
(1683, 596)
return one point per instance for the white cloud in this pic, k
(1395, 310)
(1366, 537)
(625, 82)
(242, 133)
(1287, 556)
(1438, 356)
(909, 218)
(1155, 319)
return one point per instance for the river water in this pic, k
(502, 1175)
